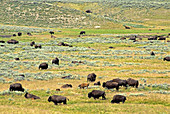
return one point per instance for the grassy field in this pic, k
(127, 59)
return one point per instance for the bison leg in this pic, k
(65, 102)
(103, 97)
(55, 103)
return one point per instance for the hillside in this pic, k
(65, 14)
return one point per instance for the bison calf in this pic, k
(118, 99)
(83, 85)
(96, 94)
(97, 83)
(58, 99)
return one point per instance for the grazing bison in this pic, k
(57, 89)
(43, 66)
(32, 43)
(83, 85)
(97, 83)
(38, 46)
(166, 59)
(118, 99)
(162, 38)
(126, 27)
(51, 32)
(111, 85)
(12, 41)
(19, 34)
(63, 44)
(29, 34)
(1, 41)
(82, 32)
(96, 94)
(88, 11)
(16, 87)
(77, 62)
(55, 61)
(16, 58)
(28, 95)
(132, 82)
(120, 82)
(58, 99)
(91, 77)
(66, 86)
(66, 77)
(152, 53)
(52, 36)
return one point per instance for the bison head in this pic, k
(49, 99)
(89, 95)
(112, 101)
(104, 84)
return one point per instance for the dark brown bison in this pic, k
(91, 77)
(132, 82)
(153, 37)
(14, 35)
(51, 32)
(16, 59)
(16, 87)
(55, 61)
(126, 27)
(19, 34)
(152, 53)
(57, 89)
(120, 82)
(31, 96)
(97, 83)
(162, 38)
(111, 85)
(63, 44)
(1, 41)
(43, 66)
(29, 34)
(166, 59)
(12, 41)
(58, 99)
(118, 99)
(82, 32)
(38, 46)
(66, 77)
(83, 85)
(88, 11)
(32, 43)
(96, 94)
(66, 86)
(52, 36)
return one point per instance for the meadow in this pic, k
(100, 49)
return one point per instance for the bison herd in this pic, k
(96, 94)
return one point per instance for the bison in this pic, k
(96, 94)
(16, 87)
(14, 35)
(28, 95)
(32, 43)
(66, 86)
(29, 34)
(83, 85)
(91, 77)
(38, 46)
(120, 82)
(118, 99)
(82, 32)
(166, 58)
(16, 59)
(111, 85)
(1, 41)
(12, 41)
(126, 27)
(51, 32)
(132, 82)
(55, 61)
(43, 66)
(88, 11)
(152, 53)
(19, 34)
(97, 83)
(123, 38)
(58, 99)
